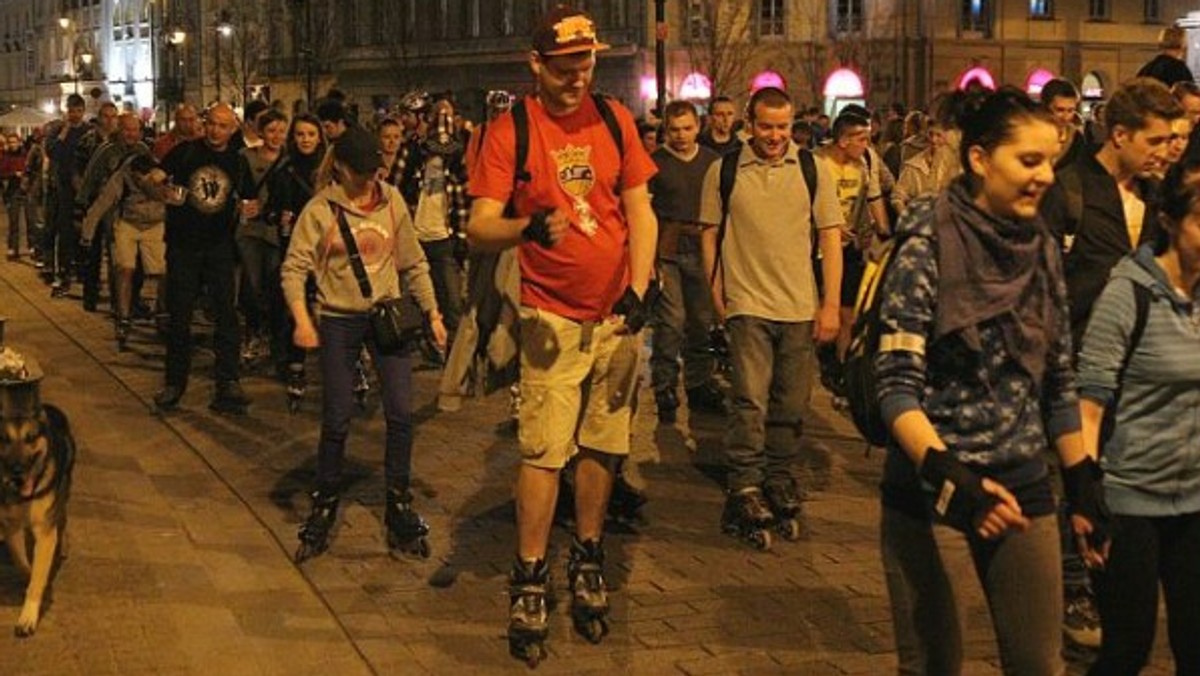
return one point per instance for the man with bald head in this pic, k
(187, 126)
(202, 252)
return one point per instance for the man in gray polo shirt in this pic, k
(765, 292)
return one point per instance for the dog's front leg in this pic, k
(45, 542)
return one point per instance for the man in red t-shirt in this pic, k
(586, 236)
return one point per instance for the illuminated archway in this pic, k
(767, 78)
(979, 75)
(1037, 80)
(842, 88)
(696, 86)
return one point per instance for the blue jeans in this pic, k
(342, 340)
(446, 274)
(681, 322)
(773, 369)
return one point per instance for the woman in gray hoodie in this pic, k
(1150, 379)
(375, 217)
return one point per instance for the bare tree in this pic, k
(244, 50)
(864, 44)
(719, 41)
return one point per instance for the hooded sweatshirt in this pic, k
(391, 254)
(1152, 460)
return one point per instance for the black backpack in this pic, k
(858, 369)
(728, 175)
(521, 128)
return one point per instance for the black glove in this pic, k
(958, 492)
(653, 294)
(538, 230)
(633, 309)
(1085, 497)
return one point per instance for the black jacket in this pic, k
(1167, 70)
(1095, 240)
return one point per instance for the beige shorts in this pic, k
(129, 240)
(576, 389)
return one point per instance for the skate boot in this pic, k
(361, 386)
(625, 503)
(317, 530)
(528, 617)
(406, 530)
(667, 403)
(229, 398)
(124, 326)
(589, 593)
(748, 517)
(297, 384)
(785, 502)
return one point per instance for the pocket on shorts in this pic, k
(623, 373)
(531, 432)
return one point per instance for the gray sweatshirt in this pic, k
(1152, 461)
(391, 254)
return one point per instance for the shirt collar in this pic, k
(749, 157)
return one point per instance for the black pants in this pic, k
(447, 280)
(61, 234)
(93, 259)
(1147, 551)
(191, 268)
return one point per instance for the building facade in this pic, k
(152, 54)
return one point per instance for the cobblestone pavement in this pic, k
(182, 528)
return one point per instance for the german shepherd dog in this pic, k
(37, 453)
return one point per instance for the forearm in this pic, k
(708, 254)
(879, 215)
(830, 242)
(299, 309)
(916, 434)
(643, 242)
(489, 230)
(1091, 414)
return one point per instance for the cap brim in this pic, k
(577, 49)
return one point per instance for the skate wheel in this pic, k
(761, 539)
(530, 652)
(789, 529)
(423, 548)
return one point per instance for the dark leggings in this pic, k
(1146, 551)
(342, 340)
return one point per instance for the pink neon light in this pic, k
(977, 74)
(695, 86)
(649, 87)
(1037, 80)
(843, 83)
(767, 78)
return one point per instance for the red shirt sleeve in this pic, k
(493, 171)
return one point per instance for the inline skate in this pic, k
(406, 530)
(123, 328)
(785, 503)
(317, 531)
(625, 503)
(528, 616)
(589, 593)
(297, 385)
(748, 517)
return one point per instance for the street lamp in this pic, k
(224, 30)
(176, 38)
(85, 61)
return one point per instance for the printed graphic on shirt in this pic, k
(576, 177)
(209, 189)
(373, 242)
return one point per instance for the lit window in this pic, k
(1041, 9)
(977, 17)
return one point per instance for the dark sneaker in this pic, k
(167, 399)
(706, 399)
(1081, 621)
(668, 403)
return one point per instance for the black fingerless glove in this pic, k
(538, 230)
(633, 309)
(1083, 484)
(958, 492)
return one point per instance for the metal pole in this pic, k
(153, 61)
(217, 49)
(660, 56)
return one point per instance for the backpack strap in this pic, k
(521, 128)
(1072, 184)
(1141, 299)
(729, 167)
(614, 129)
(808, 167)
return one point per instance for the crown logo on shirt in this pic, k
(572, 155)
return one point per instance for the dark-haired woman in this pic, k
(1151, 459)
(358, 213)
(289, 188)
(975, 382)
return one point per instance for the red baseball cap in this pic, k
(566, 30)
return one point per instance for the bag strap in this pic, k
(729, 167)
(1141, 299)
(356, 264)
(808, 167)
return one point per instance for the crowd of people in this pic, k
(1040, 311)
